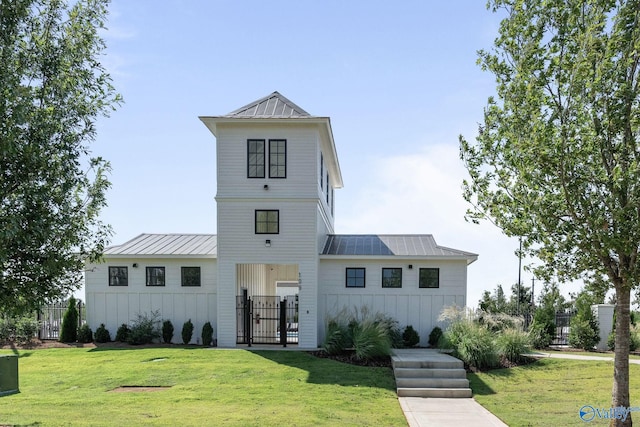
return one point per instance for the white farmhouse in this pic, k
(276, 269)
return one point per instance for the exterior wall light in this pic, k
(267, 243)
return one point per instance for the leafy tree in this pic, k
(52, 89)
(495, 302)
(585, 331)
(557, 159)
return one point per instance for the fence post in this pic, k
(283, 322)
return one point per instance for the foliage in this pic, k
(539, 335)
(123, 332)
(434, 336)
(337, 338)
(18, 329)
(102, 335)
(497, 322)
(371, 339)
(53, 89)
(556, 159)
(85, 335)
(145, 328)
(512, 343)
(519, 301)
(167, 331)
(584, 331)
(634, 340)
(69, 329)
(187, 332)
(410, 337)
(476, 346)
(207, 334)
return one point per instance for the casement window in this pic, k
(429, 278)
(277, 158)
(255, 158)
(155, 276)
(321, 172)
(267, 221)
(118, 276)
(391, 277)
(355, 278)
(190, 276)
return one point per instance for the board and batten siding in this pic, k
(409, 305)
(115, 305)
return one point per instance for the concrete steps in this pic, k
(427, 373)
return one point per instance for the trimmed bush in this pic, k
(410, 337)
(187, 332)
(167, 331)
(102, 335)
(122, 335)
(84, 334)
(512, 343)
(435, 336)
(69, 330)
(207, 334)
(145, 329)
(583, 333)
(539, 335)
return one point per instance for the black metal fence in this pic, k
(563, 322)
(267, 320)
(50, 319)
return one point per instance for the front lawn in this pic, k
(550, 392)
(206, 387)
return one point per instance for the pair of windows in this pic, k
(155, 276)
(392, 278)
(256, 158)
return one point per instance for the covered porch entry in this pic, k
(267, 304)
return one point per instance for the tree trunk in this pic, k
(620, 394)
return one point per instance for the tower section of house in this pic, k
(277, 170)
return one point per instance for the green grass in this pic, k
(208, 387)
(550, 392)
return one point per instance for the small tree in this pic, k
(167, 331)
(102, 335)
(207, 334)
(584, 331)
(69, 330)
(187, 332)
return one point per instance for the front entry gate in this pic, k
(267, 320)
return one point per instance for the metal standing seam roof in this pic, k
(412, 245)
(168, 245)
(274, 105)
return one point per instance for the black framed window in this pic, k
(155, 276)
(321, 171)
(355, 277)
(429, 278)
(391, 277)
(277, 158)
(190, 276)
(118, 276)
(267, 221)
(255, 158)
(328, 187)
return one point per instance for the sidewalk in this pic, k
(440, 412)
(560, 355)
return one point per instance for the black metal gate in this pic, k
(563, 322)
(266, 320)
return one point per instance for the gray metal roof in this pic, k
(274, 105)
(412, 245)
(168, 245)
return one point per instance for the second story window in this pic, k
(277, 158)
(267, 222)
(391, 277)
(355, 277)
(255, 158)
(155, 276)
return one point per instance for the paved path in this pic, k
(560, 355)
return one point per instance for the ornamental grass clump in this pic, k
(512, 344)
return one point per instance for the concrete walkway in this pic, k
(560, 355)
(441, 412)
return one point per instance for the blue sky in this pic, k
(398, 79)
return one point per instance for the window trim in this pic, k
(255, 221)
(383, 277)
(277, 165)
(264, 157)
(182, 276)
(148, 276)
(420, 284)
(126, 269)
(364, 277)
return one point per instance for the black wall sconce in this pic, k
(135, 265)
(267, 243)
(410, 266)
(266, 186)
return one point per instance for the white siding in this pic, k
(115, 305)
(409, 305)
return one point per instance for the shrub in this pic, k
(371, 340)
(187, 332)
(25, 329)
(434, 336)
(167, 331)
(512, 343)
(410, 337)
(122, 335)
(145, 329)
(69, 331)
(207, 334)
(84, 334)
(583, 333)
(634, 340)
(337, 339)
(102, 335)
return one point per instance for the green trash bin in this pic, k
(8, 374)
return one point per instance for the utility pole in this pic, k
(519, 277)
(533, 293)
